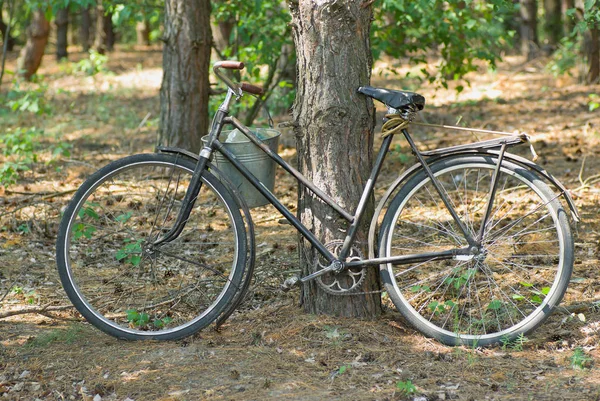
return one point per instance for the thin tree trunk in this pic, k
(100, 36)
(334, 132)
(3, 28)
(222, 31)
(109, 32)
(186, 61)
(37, 37)
(62, 28)
(569, 23)
(553, 23)
(529, 37)
(85, 29)
(142, 29)
(594, 56)
(105, 36)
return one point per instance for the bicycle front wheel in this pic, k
(128, 287)
(510, 287)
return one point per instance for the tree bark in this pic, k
(334, 132)
(553, 23)
(62, 28)
(31, 55)
(186, 61)
(85, 29)
(529, 37)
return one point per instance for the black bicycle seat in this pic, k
(393, 98)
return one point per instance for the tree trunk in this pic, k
(62, 28)
(553, 23)
(569, 23)
(594, 55)
(3, 28)
(142, 30)
(109, 32)
(85, 29)
(334, 132)
(31, 55)
(100, 36)
(186, 62)
(529, 38)
(105, 35)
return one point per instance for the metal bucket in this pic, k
(253, 158)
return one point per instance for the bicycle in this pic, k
(473, 243)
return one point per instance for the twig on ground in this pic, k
(44, 197)
(35, 309)
(586, 183)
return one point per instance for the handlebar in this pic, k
(230, 64)
(235, 87)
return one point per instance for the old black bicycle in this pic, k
(473, 243)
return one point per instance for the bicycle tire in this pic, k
(131, 289)
(509, 289)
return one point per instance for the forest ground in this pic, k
(271, 349)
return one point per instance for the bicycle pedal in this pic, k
(290, 283)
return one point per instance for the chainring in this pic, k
(346, 281)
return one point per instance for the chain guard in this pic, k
(346, 281)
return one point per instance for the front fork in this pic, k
(196, 182)
(188, 202)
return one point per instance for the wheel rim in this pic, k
(133, 287)
(457, 306)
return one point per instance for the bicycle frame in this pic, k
(222, 119)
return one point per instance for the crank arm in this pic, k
(336, 266)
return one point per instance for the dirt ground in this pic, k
(271, 349)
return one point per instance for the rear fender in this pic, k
(518, 160)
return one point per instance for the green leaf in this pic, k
(536, 299)
(494, 305)
(122, 218)
(132, 315)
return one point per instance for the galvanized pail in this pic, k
(253, 158)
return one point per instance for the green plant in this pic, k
(514, 345)
(16, 290)
(131, 252)
(568, 54)
(67, 336)
(343, 369)
(580, 360)
(30, 100)
(404, 156)
(92, 65)
(594, 102)
(406, 387)
(82, 229)
(461, 32)
(141, 320)
(18, 148)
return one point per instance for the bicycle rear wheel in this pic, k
(123, 284)
(508, 289)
